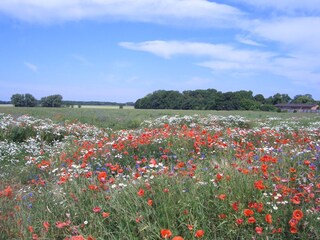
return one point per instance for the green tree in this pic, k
(260, 98)
(30, 100)
(306, 98)
(17, 100)
(51, 101)
(249, 104)
(23, 100)
(278, 98)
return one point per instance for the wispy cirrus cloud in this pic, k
(81, 59)
(283, 6)
(199, 12)
(248, 41)
(297, 34)
(226, 58)
(168, 49)
(31, 66)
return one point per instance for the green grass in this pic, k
(128, 118)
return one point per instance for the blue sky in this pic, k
(117, 50)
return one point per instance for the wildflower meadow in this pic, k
(173, 177)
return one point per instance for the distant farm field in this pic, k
(106, 106)
(6, 105)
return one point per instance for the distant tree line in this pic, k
(211, 99)
(27, 100)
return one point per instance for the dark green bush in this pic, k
(18, 134)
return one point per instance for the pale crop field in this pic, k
(105, 106)
(6, 105)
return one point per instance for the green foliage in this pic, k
(160, 100)
(307, 98)
(209, 99)
(30, 101)
(268, 108)
(51, 101)
(260, 98)
(278, 98)
(23, 100)
(17, 133)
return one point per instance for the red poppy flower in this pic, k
(35, 237)
(219, 176)
(264, 167)
(180, 164)
(7, 192)
(102, 176)
(235, 206)
(105, 214)
(259, 185)
(140, 192)
(297, 214)
(259, 230)
(222, 196)
(239, 221)
(96, 209)
(251, 220)
(93, 187)
(165, 233)
(80, 237)
(293, 222)
(295, 199)
(258, 206)
(199, 234)
(293, 229)
(177, 238)
(147, 185)
(248, 212)
(306, 162)
(150, 202)
(30, 229)
(46, 226)
(268, 218)
(61, 224)
(292, 170)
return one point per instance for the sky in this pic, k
(122, 50)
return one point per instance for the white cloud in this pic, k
(299, 68)
(167, 49)
(248, 41)
(200, 12)
(289, 6)
(84, 61)
(295, 34)
(31, 66)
